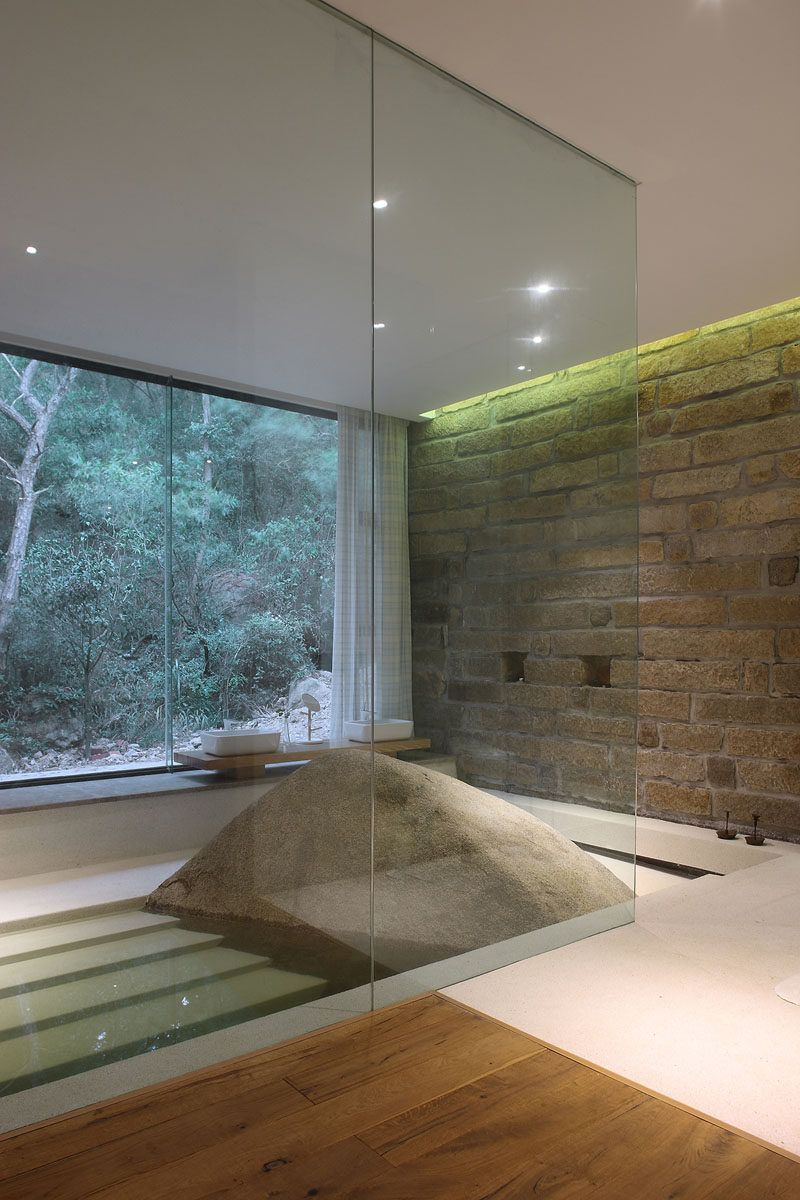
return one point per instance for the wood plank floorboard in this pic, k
(423, 1101)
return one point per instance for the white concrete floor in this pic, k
(682, 1001)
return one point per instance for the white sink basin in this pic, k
(239, 741)
(386, 730)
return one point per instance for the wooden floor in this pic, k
(417, 1102)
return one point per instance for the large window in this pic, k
(94, 676)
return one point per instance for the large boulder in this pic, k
(455, 868)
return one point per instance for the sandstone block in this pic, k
(553, 670)
(483, 441)
(672, 797)
(528, 508)
(648, 734)
(776, 330)
(677, 548)
(454, 518)
(690, 676)
(780, 504)
(707, 644)
(542, 426)
(489, 490)
(721, 771)
(625, 613)
(448, 423)
(764, 743)
(563, 476)
(427, 453)
(732, 577)
(703, 515)
(591, 585)
(761, 470)
(429, 684)
(786, 680)
(651, 552)
(595, 441)
(776, 812)
(610, 495)
(442, 473)
(424, 570)
(495, 537)
(736, 373)
(698, 352)
(710, 414)
(648, 393)
(697, 482)
(777, 610)
(473, 691)
(789, 643)
(770, 777)
(427, 499)
(596, 727)
(745, 543)
(756, 677)
(758, 437)
(665, 455)
(422, 544)
(783, 570)
(656, 703)
(521, 459)
(689, 610)
(789, 463)
(682, 768)
(623, 672)
(594, 642)
(587, 557)
(656, 424)
(536, 695)
(609, 789)
(662, 518)
(691, 737)
(790, 360)
(747, 710)
(521, 563)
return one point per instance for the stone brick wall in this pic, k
(523, 578)
(720, 595)
(523, 554)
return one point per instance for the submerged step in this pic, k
(31, 1055)
(41, 939)
(62, 998)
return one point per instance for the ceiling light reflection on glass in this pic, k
(31, 250)
(541, 288)
(379, 325)
(538, 339)
(380, 203)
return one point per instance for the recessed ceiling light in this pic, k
(31, 250)
(542, 288)
(380, 203)
(537, 339)
(522, 368)
(379, 325)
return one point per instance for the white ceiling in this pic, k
(201, 196)
(698, 100)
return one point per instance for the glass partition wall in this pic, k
(351, 414)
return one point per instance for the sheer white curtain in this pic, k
(356, 559)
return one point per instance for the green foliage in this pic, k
(253, 537)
